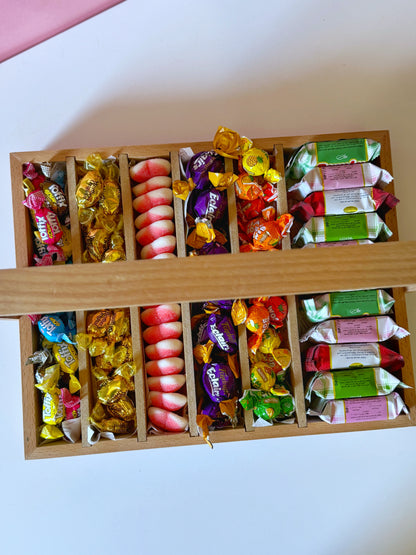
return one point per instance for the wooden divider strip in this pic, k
(140, 376)
(296, 373)
(127, 202)
(86, 400)
(30, 396)
(23, 234)
(241, 329)
(76, 235)
(188, 355)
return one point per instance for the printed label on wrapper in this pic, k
(366, 410)
(353, 331)
(344, 228)
(354, 303)
(342, 177)
(360, 383)
(341, 152)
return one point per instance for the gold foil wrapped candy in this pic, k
(228, 143)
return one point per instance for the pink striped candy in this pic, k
(155, 214)
(168, 401)
(145, 202)
(151, 185)
(166, 420)
(154, 231)
(158, 246)
(167, 348)
(161, 314)
(164, 255)
(147, 169)
(170, 330)
(164, 366)
(167, 384)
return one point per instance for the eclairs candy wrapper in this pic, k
(200, 165)
(330, 178)
(369, 409)
(219, 381)
(322, 357)
(328, 153)
(355, 330)
(346, 384)
(344, 304)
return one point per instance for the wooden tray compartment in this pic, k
(125, 154)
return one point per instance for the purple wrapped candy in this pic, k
(199, 331)
(219, 382)
(212, 410)
(202, 163)
(208, 204)
(224, 305)
(222, 333)
(213, 248)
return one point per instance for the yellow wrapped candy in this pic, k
(123, 408)
(222, 181)
(53, 408)
(48, 378)
(181, 188)
(256, 162)
(127, 370)
(202, 353)
(239, 312)
(89, 189)
(50, 432)
(228, 143)
(262, 376)
(270, 341)
(111, 390)
(67, 356)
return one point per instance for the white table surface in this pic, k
(173, 71)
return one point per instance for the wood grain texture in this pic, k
(127, 202)
(189, 368)
(217, 436)
(21, 217)
(30, 395)
(140, 388)
(93, 286)
(76, 234)
(86, 400)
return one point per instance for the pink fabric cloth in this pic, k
(24, 23)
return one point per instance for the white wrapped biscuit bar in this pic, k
(371, 409)
(355, 330)
(329, 178)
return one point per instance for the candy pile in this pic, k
(56, 369)
(270, 399)
(259, 226)
(153, 199)
(340, 193)
(164, 367)
(349, 361)
(44, 189)
(98, 198)
(206, 210)
(215, 341)
(109, 344)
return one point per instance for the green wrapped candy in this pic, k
(345, 304)
(267, 406)
(328, 153)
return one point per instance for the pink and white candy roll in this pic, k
(154, 231)
(166, 420)
(151, 185)
(145, 202)
(164, 255)
(159, 246)
(161, 314)
(164, 366)
(170, 330)
(155, 214)
(167, 384)
(167, 348)
(142, 171)
(167, 401)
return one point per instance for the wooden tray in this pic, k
(137, 283)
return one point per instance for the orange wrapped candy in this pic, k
(247, 188)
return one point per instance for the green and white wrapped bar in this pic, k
(345, 304)
(346, 384)
(369, 409)
(320, 229)
(329, 153)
